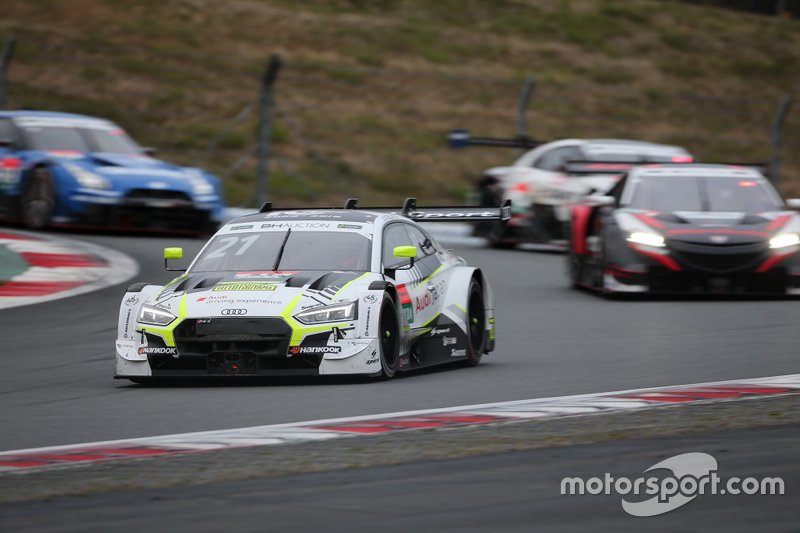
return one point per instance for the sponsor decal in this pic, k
(366, 322)
(373, 358)
(133, 300)
(684, 477)
(371, 298)
(447, 341)
(296, 225)
(423, 303)
(158, 350)
(457, 353)
(439, 331)
(348, 226)
(213, 298)
(409, 312)
(257, 301)
(314, 350)
(244, 286)
(127, 323)
(246, 226)
(233, 312)
(271, 276)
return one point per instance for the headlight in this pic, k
(331, 313)
(87, 178)
(784, 239)
(199, 184)
(155, 316)
(646, 238)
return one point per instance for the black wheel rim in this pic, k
(388, 333)
(476, 317)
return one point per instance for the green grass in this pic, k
(371, 87)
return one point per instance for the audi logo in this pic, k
(234, 312)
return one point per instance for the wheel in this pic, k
(476, 323)
(574, 269)
(38, 199)
(498, 237)
(389, 332)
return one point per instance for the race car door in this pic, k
(420, 300)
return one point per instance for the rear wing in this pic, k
(423, 214)
(583, 168)
(461, 138)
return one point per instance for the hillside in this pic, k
(369, 87)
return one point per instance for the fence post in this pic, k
(777, 139)
(5, 61)
(522, 106)
(266, 102)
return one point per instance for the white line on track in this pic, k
(119, 268)
(469, 415)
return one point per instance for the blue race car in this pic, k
(63, 169)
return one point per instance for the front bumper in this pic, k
(144, 209)
(242, 347)
(689, 268)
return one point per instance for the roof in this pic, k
(44, 114)
(340, 215)
(698, 169)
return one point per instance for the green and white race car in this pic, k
(312, 292)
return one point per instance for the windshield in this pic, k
(304, 250)
(693, 193)
(79, 139)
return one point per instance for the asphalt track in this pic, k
(518, 491)
(57, 386)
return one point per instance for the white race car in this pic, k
(542, 187)
(313, 291)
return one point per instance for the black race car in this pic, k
(687, 228)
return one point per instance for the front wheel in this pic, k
(476, 323)
(389, 337)
(38, 199)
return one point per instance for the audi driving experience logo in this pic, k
(233, 312)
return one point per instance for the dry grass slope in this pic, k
(369, 88)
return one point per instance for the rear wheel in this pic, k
(476, 323)
(389, 337)
(38, 199)
(574, 269)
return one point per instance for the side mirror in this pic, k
(596, 200)
(793, 203)
(409, 252)
(173, 253)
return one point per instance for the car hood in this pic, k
(720, 228)
(262, 293)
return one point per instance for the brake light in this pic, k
(11, 163)
(747, 184)
(682, 159)
(521, 187)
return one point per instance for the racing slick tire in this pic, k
(574, 269)
(38, 199)
(476, 323)
(389, 337)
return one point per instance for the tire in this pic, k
(574, 269)
(389, 337)
(38, 199)
(476, 323)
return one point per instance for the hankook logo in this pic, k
(233, 312)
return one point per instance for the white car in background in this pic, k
(544, 182)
